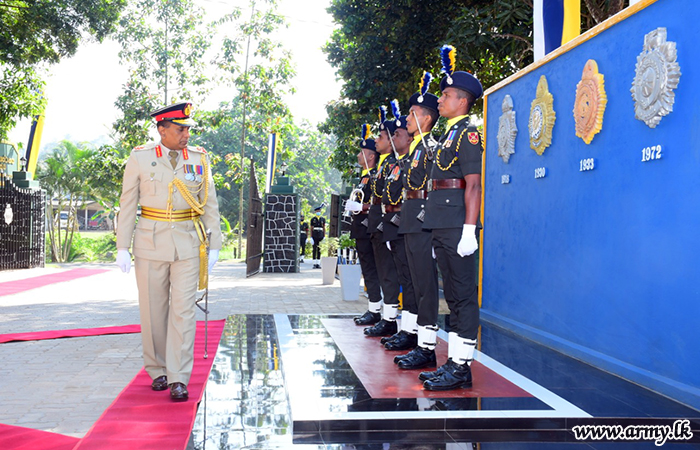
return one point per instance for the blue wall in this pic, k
(605, 264)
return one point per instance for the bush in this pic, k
(93, 247)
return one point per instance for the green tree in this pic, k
(35, 32)
(163, 43)
(106, 169)
(66, 185)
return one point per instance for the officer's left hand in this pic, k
(467, 244)
(213, 258)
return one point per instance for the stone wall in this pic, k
(281, 248)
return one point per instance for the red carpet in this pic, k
(14, 287)
(375, 368)
(20, 438)
(141, 418)
(76, 332)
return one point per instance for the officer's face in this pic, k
(382, 143)
(365, 158)
(451, 103)
(173, 136)
(411, 123)
(402, 140)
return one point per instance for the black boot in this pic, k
(368, 318)
(382, 328)
(436, 373)
(405, 341)
(398, 358)
(455, 376)
(419, 358)
(393, 337)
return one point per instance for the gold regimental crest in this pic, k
(656, 76)
(507, 130)
(542, 117)
(188, 109)
(590, 102)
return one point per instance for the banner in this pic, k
(556, 22)
(271, 160)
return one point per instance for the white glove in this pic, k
(388, 245)
(432, 249)
(353, 206)
(310, 240)
(467, 244)
(213, 258)
(124, 260)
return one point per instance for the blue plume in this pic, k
(382, 114)
(448, 54)
(395, 109)
(425, 83)
(365, 131)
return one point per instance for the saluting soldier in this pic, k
(358, 205)
(318, 233)
(392, 200)
(388, 277)
(174, 186)
(422, 116)
(452, 212)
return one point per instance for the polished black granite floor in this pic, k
(280, 382)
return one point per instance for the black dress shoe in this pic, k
(398, 358)
(418, 358)
(382, 328)
(436, 373)
(455, 376)
(386, 339)
(368, 318)
(178, 392)
(405, 341)
(160, 383)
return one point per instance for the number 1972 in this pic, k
(651, 153)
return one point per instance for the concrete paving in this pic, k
(64, 385)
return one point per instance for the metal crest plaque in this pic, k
(507, 130)
(590, 102)
(657, 75)
(542, 117)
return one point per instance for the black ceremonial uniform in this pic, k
(392, 199)
(303, 234)
(458, 154)
(415, 176)
(360, 232)
(318, 232)
(388, 278)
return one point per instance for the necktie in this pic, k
(173, 158)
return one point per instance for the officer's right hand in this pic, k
(353, 206)
(124, 260)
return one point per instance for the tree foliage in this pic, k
(34, 32)
(163, 43)
(381, 49)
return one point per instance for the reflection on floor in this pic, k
(297, 381)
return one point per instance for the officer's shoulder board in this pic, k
(145, 147)
(197, 149)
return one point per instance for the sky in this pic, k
(81, 90)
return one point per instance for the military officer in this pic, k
(359, 205)
(422, 116)
(174, 186)
(388, 277)
(452, 212)
(318, 233)
(392, 199)
(303, 233)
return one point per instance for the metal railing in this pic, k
(22, 226)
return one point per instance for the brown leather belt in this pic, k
(376, 200)
(450, 183)
(392, 208)
(407, 195)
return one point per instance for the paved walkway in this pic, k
(64, 385)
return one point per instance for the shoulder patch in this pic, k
(473, 137)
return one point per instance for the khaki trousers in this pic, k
(167, 293)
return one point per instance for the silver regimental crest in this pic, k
(507, 130)
(657, 75)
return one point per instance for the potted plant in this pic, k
(350, 271)
(328, 247)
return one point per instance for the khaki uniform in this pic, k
(166, 253)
